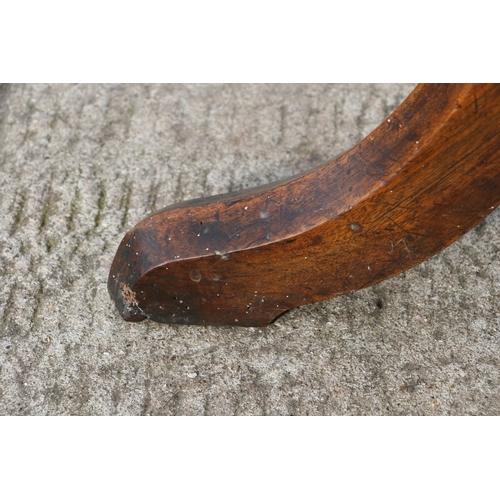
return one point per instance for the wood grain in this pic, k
(423, 178)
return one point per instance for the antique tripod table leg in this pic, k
(422, 179)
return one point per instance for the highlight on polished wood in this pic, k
(427, 175)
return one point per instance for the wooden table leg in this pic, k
(422, 179)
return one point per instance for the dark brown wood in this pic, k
(423, 178)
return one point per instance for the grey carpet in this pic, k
(81, 164)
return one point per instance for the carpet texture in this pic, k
(81, 164)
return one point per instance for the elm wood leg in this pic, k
(422, 179)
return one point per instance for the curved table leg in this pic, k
(422, 179)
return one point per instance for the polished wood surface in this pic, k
(422, 179)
